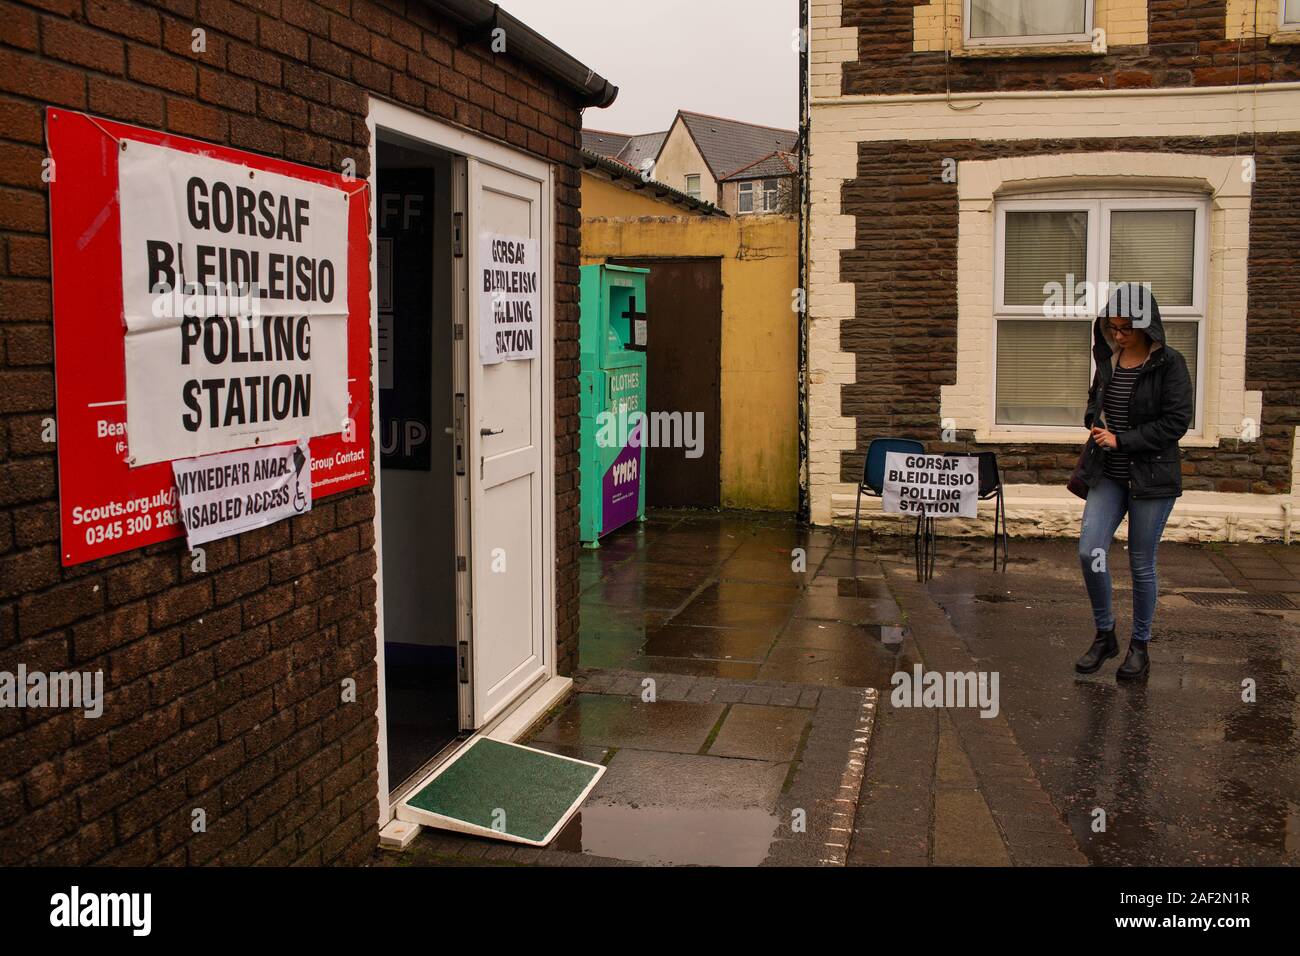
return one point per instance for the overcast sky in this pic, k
(732, 58)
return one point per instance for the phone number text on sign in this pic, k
(118, 520)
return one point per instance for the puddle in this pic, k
(671, 836)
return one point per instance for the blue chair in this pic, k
(873, 472)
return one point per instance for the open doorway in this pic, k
(418, 457)
(466, 546)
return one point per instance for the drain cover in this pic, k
(1261, 602)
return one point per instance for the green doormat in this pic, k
(503, 791)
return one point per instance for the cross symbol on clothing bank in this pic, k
(636, 324)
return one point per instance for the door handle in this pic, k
(485, 432)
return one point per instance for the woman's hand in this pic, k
(1104, 439)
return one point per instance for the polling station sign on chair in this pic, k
(930, 487)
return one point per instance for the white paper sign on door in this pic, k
(510, 297)
(228, 494)
(234, 294)
(934, 485)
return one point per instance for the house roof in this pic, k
(728, 145)
(643, 147)
(604, 143)
(770, 166)
(629, 178)
(630, 150)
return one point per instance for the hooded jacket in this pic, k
(1160, 408)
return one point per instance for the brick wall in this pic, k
(1187, 45)
(904, 329)
(222, 688)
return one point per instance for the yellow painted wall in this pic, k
(760, 331)
(602, 199)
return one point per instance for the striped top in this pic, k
(1118, 395)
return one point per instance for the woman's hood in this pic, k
(1134, 302)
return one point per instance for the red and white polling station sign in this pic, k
(212, 299)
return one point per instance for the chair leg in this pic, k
(997, 514)
(1002, 504)
(932, 549)
(917, 546)
(857, 510)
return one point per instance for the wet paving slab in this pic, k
(747, 580)
(749, 643)
(617, 722)
(761, 732)
(679, 809)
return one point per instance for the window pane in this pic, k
(1027, 18)
(746, 197)
(1044, 248)
(1156, 246)
(1183, 337)
(1043, 372)
(1293, 11)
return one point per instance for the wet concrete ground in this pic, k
(1184, 769)
(761, 643)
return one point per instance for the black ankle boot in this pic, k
(1136, 664)
(1104, 647)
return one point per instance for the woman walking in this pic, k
(1139, 406)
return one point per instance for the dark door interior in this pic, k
(417, 494)
(684, 374)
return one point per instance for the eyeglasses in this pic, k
(1120, 329)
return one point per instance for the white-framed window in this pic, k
(1055, 260)
(745, 197)
(771, 195)
(1291, 14)
(1022, 22)
(693, 185)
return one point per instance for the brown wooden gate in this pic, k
(684, 374)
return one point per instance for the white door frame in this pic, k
(452, 139)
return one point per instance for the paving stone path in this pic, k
(737, 682)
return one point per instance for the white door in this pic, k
(506, 457)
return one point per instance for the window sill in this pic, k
(1073, 437)
(1082, 48)
(1288, 37)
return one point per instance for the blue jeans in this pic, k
(1106, 506)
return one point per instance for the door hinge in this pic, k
(458, 234)
(459, 332)
(462, 661)
(461, 563)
